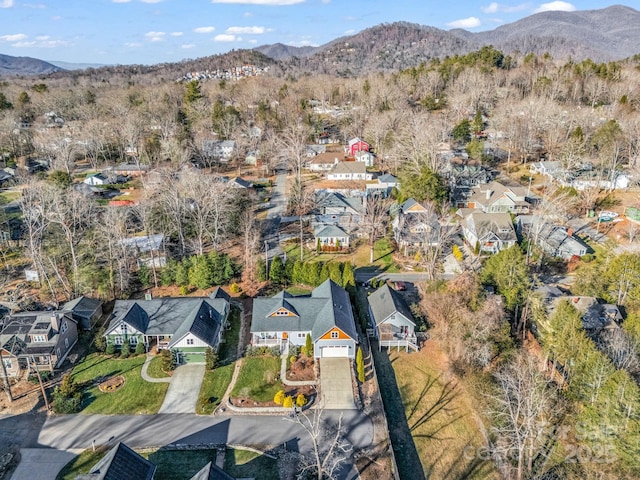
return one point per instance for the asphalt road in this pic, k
(64, 432)
(278, 197)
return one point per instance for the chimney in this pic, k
(55, 322)
(488, 193)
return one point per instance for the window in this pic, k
(133, 340)
(64, 327)
(38, 338)
(189, 341)
(302, 335)
(335, 334)
(7, 363)
(118, 340)
(66, 343)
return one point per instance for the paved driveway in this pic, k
(41, 463)
(182, 395)
(335, 384)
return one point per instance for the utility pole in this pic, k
(266, 260)
(44, 393)
(5, 378)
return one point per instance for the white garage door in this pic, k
(338, 351)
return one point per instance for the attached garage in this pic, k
(335, 351)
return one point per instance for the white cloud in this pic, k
(155, 36)
(176, 34)
(260, 2)
(16, 37)
(120, 1)
(225, 37)
(470, 22)
(42, 42)
(6, 3)
(351, 31)
(246, 30)
(495, 7)
(188, 45)
(204, 29)
(303, 43)
(559, 6)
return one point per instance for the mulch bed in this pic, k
(301, 369)
(112, 384)
(308, 391)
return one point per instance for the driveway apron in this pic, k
(182, 395)
(335, 384)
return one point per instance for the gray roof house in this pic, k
(393, 322)
(212, 472)
(331, 238)
(325, 314)
(335, 208)
(121, 463)
(489, 232)
(415, 226)
(349, 171)
(186, 325)
(495, 197)
(39, 339)
(554, 240)
(84, 310)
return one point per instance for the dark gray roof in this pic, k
(385, 301)
(121, 463)
(220, 293)
(83, 306)
(212, 472)
(328, 306)
(144, 243)
(202, 316)
(387, 178)
(337, 200)
(410, 202)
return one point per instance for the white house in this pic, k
(365, 157)
(345, 171)
(97, 179)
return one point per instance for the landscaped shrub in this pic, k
(184, 290)
(360, 365)
(140, 348)
(125, 350)
(288, 402)
(294, 350)
(253, 351)
(210, 358)
(308, 346)
(301, 400)
(235, 288)
(167, 360)
(111, 349)
(33, 378)
(278, 398)
(292, 359)
(67, 397)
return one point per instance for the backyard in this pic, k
(183, 464)
(135, 397)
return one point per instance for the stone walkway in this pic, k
(146, 376)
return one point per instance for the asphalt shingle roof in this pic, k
(211, 472)
(386, 301)
(328, 306)
(121, 463)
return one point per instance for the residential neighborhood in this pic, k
(254, 273)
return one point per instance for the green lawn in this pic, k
(215, 383)
(246, 464)
(155, 368)
(135, 397)
(183, 464)
(259, 378)
(9, 196)
(299, 290)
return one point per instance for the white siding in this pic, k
(184, 342)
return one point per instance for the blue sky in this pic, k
(154, 31)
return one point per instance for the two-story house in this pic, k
(349, 171)
(495, 197)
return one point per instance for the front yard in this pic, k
(258, 381)
(215, 382)
(135, 397)
(183, 464)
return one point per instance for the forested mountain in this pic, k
(25, 66)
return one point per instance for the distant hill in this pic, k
(279, 51)
(75, 66)
(611, 33)
(25, 66)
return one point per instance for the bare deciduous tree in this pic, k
(374, 220)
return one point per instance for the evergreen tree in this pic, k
(125, 350)
(308, 346)
(325, 273)
(200, 272)
(349, 278)
(182, 272)
(140, 348)
(210, 358)
(507, 271)
(288, 270)
(276, 271)
(360, 365)
(298, 275)
(261, 273)
(335, 272)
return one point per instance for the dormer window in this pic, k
(64, 327)
(38, 338)
(282, 313)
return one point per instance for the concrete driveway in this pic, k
(41, 463)
(182, 395)
(335, 384)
